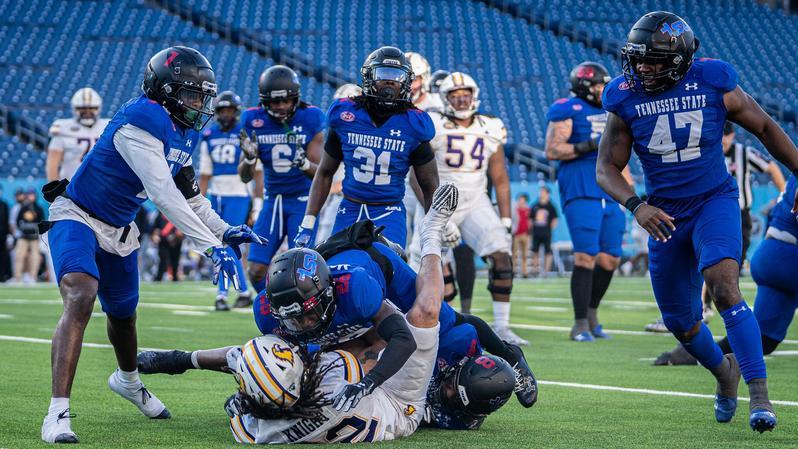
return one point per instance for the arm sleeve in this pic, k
(759, 161)
(401, 345)
(186, 182)
(206, 165)
(422, 154)
(332, 146)
(144, 155)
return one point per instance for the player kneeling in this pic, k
(283, 401)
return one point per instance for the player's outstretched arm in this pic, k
(615, 149)
(497, 170)
(745, 111)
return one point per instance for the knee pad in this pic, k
(449, 280)
(502, 272)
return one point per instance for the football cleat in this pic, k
(526, 386)
(57, 428)
(163, 362)
(598, 332)
(583, 337)
(762, 418)
(657, 326)
(244, 300)
(139, 396)
(221, 304)
(678, 356)
(509, 336)
(726, 406)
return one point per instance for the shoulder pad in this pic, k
(151, 117)
(421, 123)
(58, 126)
(616, 92)
(340, 110)
(562, 109)
(718, 74)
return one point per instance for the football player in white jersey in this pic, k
(469, 148)
(280, 400)
(72, 138)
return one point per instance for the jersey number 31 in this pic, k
(662, 143)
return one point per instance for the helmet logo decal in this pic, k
(278, 93)
(283, 353)
(391, 61)
(585, 72)
(485, 362)
(308, 267)
(674, 29)
(171, 58)
(461, 391)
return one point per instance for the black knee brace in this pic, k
(449, 280)
(495, 274)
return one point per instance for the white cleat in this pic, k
(58, 429)
(509, 336)
(136, 393)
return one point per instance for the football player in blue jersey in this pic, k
(285, 135)
(378, 136)
(595, 221)
(220, 154)
(671, 110)
(144, 152)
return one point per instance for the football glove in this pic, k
(249, 146)
(301, 160)
(306, 232)
(236, 235)
(451, 235)
(507, 222)
(349, 397)
(224, 266)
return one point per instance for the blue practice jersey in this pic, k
(577, 177)
(781, 217)
(277, 145)
(224, 149)
(677, 133)
(104, 183)
(376, 159)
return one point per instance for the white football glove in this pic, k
(451, 235)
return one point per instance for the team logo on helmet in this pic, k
(674, 29)
(308, 267)
(347, 116)
(283, 353)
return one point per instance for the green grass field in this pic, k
(569, 414)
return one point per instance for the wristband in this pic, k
(586, 146)
(249, 161)
(633, 203)
(308, 222)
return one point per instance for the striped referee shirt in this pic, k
(740, 161)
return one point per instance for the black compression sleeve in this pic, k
(422, 154)
(487, 337)
(332, 146)
(401, 346)
(186, 182)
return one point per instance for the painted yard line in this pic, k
(6, 316)
(614, 302)
(153, 305)
(546, 309)
(542, 382)
(171, 329)
(647, 391)
(189, 312)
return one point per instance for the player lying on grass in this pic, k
(144, 152)
(671, 109)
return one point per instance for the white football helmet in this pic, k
(270, 371)
(421, 70)
(347, 90)
(456, 81)
(86, 106)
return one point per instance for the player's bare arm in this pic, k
(427, 176)
(776, 176)
(413, 181)
(615, 148)
(54, 158)
(321, 184)
(203, 183)
(557, 146)
(497, 170)
(313, 155)
(745, 111)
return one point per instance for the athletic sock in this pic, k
(581, 289)
(705, 350)
(746, 341)
(501, 314)
(58, 405)
(758, 391)
(592, 318)
(194, 361)
(128, 377)
(465, 305)
(601, 282)
(580, 327)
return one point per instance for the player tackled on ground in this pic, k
(671, 110)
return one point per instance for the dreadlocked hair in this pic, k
(311, 399)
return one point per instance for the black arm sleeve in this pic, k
(487, 337)
(332, 146)
(186, 182)
(401, 346)
(421, 155)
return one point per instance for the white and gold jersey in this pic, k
(463, 153)
(430, 103)
(75, 140)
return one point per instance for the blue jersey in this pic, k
(781, 217)
(377, 159)
(277, 146)
(105, 185)
(223, 148)
(577, 177)
(677, 133)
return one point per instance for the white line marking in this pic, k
(6, 316)
(189, 312)
(542, 382)
(97, 315)
(647, 391)
(784, 353)
(171, 329)
(546, 309)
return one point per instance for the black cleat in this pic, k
(526, 386)
(221, 304)
(164, 362)
(67, 438)
(678, 356)
(244, 300)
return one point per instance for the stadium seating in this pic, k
(51, 48)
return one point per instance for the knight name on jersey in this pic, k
(270, 139)
(384, 143)
(303, 428)
(674, 104)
